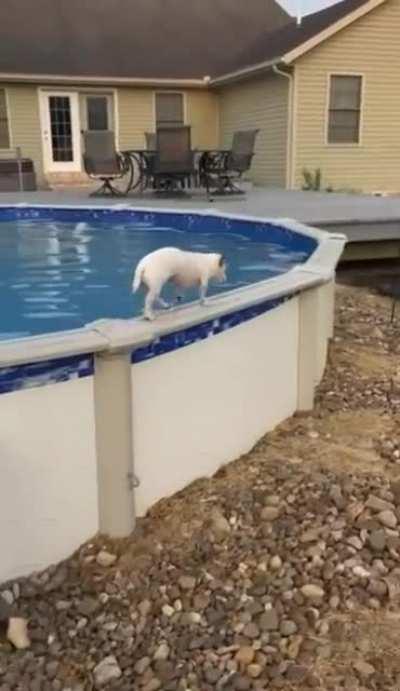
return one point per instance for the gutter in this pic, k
(103, 81)
(291, 131)
(238, 75)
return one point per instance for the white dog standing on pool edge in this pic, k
(183, 269)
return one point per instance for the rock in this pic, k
(360, 572)
(144, 607)
(219, 525)
(294, 647)
(187, 582)
(272, 500)
(312, 592)
(364, 669)
(393, 585)
(212, 675)
(251, 630)
(269, 620)
(288, 627)
(245, 656)
(63, 605)
(334, 601)
(162, 652)
(275, 563)
(254, 671)
(106, 559)
(377, 504)
(387, 518)
(168, 611)
(377, 540)
(336, 495)
(311, 535)
(51, 669)
(296, 673)
(241, 683)
(355, 542)
(17, 633)
(270, 513)
(142, 665)
(153, 685)
(377, 588)
(106, 671)
(194, 617)
(88, 606)
(395, 488)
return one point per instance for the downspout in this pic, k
(290, 138)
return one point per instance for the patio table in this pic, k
(139, 165)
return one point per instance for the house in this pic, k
(324, 94)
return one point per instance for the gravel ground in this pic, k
(281, 572)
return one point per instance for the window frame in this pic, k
(7, 104)
(184, 106)
(328, 109)
(111, 108)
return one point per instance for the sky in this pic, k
(307, 6)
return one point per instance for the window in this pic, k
(4, 129)
(97, 112)
(169, 109)
(344, 109)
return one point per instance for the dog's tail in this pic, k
(137, 279)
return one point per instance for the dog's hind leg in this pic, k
(163, 303)
(151, 299)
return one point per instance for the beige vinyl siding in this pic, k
(136, 110)
(260, 103)
(136, 116)
(202, 115)
(369, 47)
(24, 124)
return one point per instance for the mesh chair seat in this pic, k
(102, 161)
(224, 167)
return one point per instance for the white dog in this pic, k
(183, 269)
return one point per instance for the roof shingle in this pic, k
(181, 39)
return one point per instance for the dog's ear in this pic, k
(222, 261)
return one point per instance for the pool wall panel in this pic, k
(48, 486)
(199, 407)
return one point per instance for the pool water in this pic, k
(58, 275)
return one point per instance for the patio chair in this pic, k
(172, 166)
(102, 162)
(221, 170)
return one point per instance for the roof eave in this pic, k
(48, 79)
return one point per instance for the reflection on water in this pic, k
(56, 276)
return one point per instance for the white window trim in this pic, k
(10, 133)
(345, 145)
(169, 91)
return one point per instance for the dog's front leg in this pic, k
(203, 292)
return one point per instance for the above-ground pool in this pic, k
(59, 273)
(102, 414)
